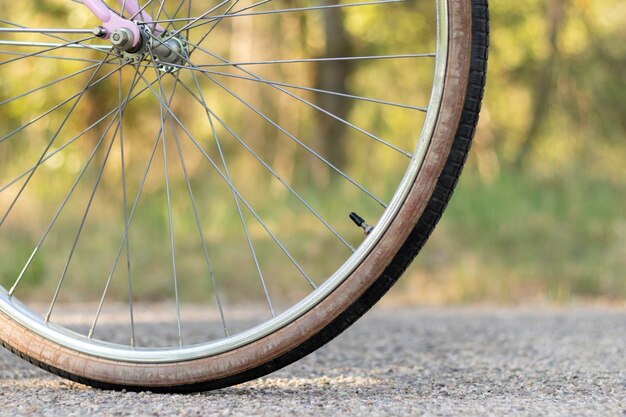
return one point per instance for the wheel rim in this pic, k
(40, 324)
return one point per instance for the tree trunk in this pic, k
(544, 86)
(333, 76)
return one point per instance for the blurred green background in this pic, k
(539, 213)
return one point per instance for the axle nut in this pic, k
(122, 39)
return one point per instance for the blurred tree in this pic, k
(333, 76)
(544, 80)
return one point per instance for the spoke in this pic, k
(211, 114)
(49, 48)
(160, 11)
(93, 47)
(198, 222)
(125, 201)
(206, 35)
(59, 58)
(52, 154)
(310, 60)
(242, 218)
(163, 117)
(178, 9)
(299, 142)
(61, 104)
(47, 30)
(163, 11)
(252, 6)
(60, 209)
(207, 19)
(51, 83)
(80, 229)
(316, 107)
(69, 142)
(121, 245)
(189, 4)
(317, 90)
(126, 228)
(53, 46)
(291, 136)
(65, 119)
(189, 25)
(141, 10)
(244, 224)
(232, 187)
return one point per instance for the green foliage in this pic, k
(566, 58)
(525, 237)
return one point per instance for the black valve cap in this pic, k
(358, 220)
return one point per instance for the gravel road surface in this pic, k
(403, 362)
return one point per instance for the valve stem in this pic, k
(359, 221)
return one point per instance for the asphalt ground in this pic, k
(475, 361)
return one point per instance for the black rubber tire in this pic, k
(418, 237)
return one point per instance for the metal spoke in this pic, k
(49, 145)
(141, 9)
(46, 30)
(163, 11)
(189, 6)
(189, 25)
(125, 202)
(61, 104)
(126, 228)
(291, 136)
(317, 90)
(181, 3)
(198, 223)
(208, 19)
(51, 83)
(160, 11)
(80, 229)
(54, 46)
(206, 35)
(316, 60)
(69, 142)
(60, 209)
(59, 58)
(242, 218)
(163, 117)
(243, 200)
(49, 48)
(211, 115)
(316, 107)
(298, 141)
(67, 41)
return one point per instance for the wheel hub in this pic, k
(168, 50)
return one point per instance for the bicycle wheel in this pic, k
(192, 191)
